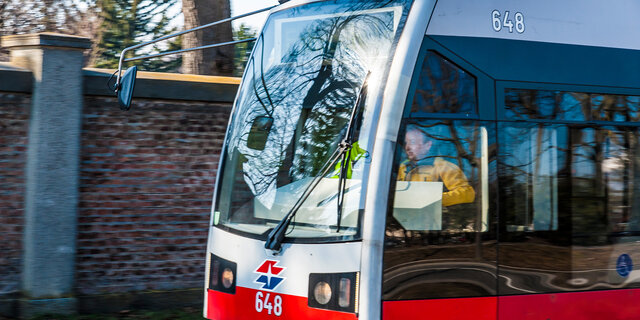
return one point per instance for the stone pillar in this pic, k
(52, 169)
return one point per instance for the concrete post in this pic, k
(52, 169)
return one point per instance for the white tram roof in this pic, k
(561, 37)
(599, 23)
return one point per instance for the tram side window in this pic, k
(433, 177)
(443, 87)
(569, 194)
(529, 173)
(591, 172)
(570, 106)
(440, 238)
(439, 215)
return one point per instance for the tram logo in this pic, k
(269, 275)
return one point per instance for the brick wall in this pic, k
(14, 123)
(147, 179)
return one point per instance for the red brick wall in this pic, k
(14, 124)
(147, 179)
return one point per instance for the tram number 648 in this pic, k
(263, 302)
(503, 21)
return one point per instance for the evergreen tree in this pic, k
(242, 50)
(129, 22)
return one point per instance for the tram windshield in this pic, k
(292, 111)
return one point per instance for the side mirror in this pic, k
(259, 132)
(125, 91)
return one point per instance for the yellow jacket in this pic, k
(459, 190)
(356, 154)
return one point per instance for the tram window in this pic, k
(529, 170)
(615, 107)
(570, 206)
(439, 212)
(431, 176)
(443, 87)
(570, 106)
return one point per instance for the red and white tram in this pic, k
(425, 159)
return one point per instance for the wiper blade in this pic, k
(276, 235)
(346, 156)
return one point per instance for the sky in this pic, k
(244, 6)
(239, 7)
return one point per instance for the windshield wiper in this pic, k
(276, 235)
(348, 143)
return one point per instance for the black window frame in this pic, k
(484, 86)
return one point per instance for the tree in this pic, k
(17, 17)
(213, 61)
(124, 23)
(61, 16)
(242, 50)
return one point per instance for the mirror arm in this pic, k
(173, 35)
(120, 68)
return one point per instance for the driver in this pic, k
(421, 167)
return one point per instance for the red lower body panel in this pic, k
(242, 306)
(596, 305)
(445, 309)
(593, 305)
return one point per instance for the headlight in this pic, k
(227, 278)
(344, 299)
(322, 292)
(334, 291)
(222, 275)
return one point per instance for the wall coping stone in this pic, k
(169, 86)
(7, 66)
(150, 85)
(46, 39)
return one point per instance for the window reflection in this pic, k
(438, 174)
(570, 106)
(306, 70)
(423, 165)
(568, 209)
(529, 177)
(440, 212)
(443, 87)
(615, 107)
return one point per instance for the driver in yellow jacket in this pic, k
(419, 167)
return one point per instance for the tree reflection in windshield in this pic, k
(322, 72)
(305, 72)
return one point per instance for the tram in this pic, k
(425, 159)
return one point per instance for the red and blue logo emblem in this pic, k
(269, 275)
